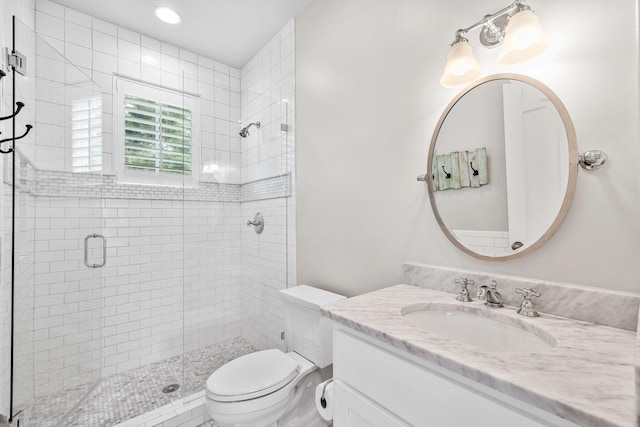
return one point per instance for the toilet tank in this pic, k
(306, 331)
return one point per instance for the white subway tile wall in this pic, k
(24, 289)
(100, 49)
(183, 271)
(152, 311)
(68, 305)
(268, 259)
(491, 243)
(268, 89)
(264, 267)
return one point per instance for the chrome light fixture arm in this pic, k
(493, 25)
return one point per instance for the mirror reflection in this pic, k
(502, 167)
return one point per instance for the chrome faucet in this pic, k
(526, 308)
(463, 294)
(493, 297)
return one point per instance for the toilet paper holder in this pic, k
(323, 401)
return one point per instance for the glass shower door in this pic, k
(64, 160)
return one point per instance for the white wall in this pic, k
(368, 100)
(476, 121)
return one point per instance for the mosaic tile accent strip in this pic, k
(68, 184)
(269, 188)
(136, 392)
(55, 183)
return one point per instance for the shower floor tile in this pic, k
(133, 393)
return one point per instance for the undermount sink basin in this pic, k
(477, 329)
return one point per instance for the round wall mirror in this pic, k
(502, 166)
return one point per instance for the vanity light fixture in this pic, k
(167, 15)
(516, 27)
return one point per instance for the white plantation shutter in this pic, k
(86, 134)
(156, 132)
(157, 137)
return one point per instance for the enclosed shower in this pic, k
(122, 295)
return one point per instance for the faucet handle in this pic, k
(527, 293)
(463, 294)
(526, 307)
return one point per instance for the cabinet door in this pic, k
(355, 410)
(426, 395)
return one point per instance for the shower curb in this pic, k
(189, 410)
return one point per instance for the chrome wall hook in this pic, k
(20, 105)
(29, 127)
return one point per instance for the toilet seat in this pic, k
(252, 376)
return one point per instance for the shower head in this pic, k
(244, 132)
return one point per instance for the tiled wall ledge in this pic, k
(604, 307)
(67, 184)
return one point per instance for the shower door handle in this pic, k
(86, 250)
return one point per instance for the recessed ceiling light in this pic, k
(167, 15)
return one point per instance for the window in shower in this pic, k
(86, 134)
(156, 136)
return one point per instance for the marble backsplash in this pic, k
(600, 306)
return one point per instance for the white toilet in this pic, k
(270, 388)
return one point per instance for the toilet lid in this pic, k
(252, 375)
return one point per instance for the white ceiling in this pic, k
(229, 31)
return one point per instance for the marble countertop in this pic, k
(587, 378)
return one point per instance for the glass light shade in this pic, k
(523, 40)
(461, 68)
(167, 15)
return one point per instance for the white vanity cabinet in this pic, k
(356, 410)
(377, 385)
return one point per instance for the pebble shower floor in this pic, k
(133, 393)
